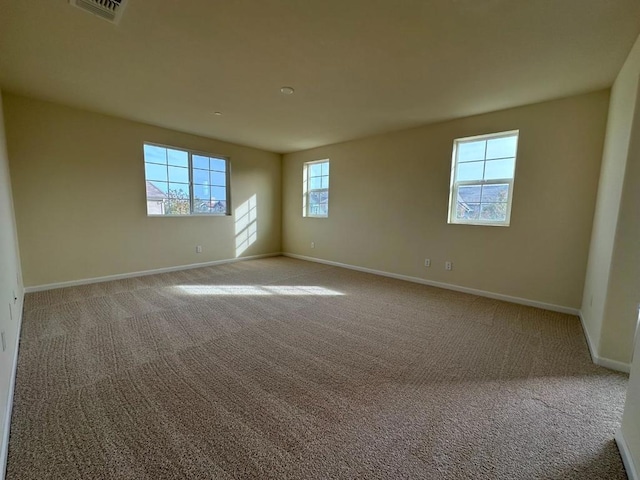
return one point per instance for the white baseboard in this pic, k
(597, 359)
(4, 441)
(448, 286)
(613, 364)
(627, 459)
(120, 276)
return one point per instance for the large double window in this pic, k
(182, 182)
(482, 173)
(315, 187)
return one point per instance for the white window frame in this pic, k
(190, 154)
(306, 191)
(455, 185)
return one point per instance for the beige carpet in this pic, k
(283, 369)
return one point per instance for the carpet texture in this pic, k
(283, 369)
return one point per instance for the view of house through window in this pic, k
(181, 182)
(316, 189)
(482, 174)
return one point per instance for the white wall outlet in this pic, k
(199, 249)
(427, 262)
(313, 244)
(448, 266)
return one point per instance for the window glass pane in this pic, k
(325, 168)
(469, 193)
(497, 169)
(161, 186)
(157, 197)
(177, 207)
(201, 206)
(153, 171)
(315, 183)
(155, 207)
(315, 169)
(467, 211)
(178, 174)
(219, 206)
(218, 193)
(179, 190)
(218, 178)
(218, 164)
(495, 193)
(178, 203)
(319, 203)
(325, 182)
(469, 151)
(502, 147)
(200, 176)
(208, 205)
(178, 158)
(496, 212)
(155, 154)
(469, 171)
(200, 162)
(201, 192)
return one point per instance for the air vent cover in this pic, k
(110, 10)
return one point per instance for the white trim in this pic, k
(613, 364)
(4, 441)
(598, 360)
(448, 286)
(590, 344)
(120, 276)
(625, 453)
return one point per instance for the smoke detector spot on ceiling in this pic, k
(110, 10)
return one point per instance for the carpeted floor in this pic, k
(284, 369)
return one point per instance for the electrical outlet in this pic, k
(199, 249)
(313, 244)
(427, 262)
(448, 266)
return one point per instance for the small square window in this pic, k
(315, 183)
(482, 174)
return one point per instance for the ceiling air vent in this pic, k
(110, 10)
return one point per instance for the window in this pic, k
(482, 174)
(181, 182)
(315, 183)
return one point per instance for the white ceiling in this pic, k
(359, 67)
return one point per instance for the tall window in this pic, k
(482, 174)
(182, 182)
(316, 189)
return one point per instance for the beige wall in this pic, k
(79, 192)
(611, 293)
(389, 197)
(10, 282)
(622, 296)
(631, 417)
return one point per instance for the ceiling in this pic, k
(359, 67)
